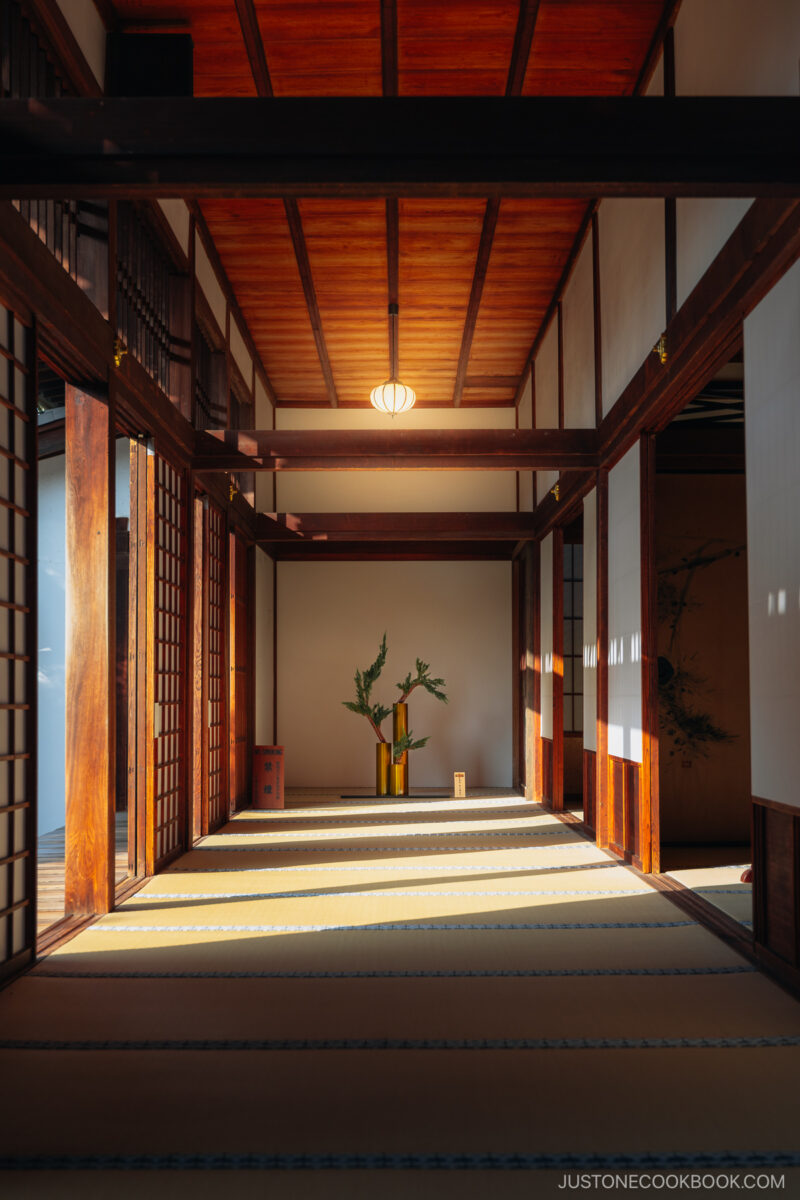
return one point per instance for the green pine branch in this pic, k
(376, 714)
(406, 742)
(422, 679)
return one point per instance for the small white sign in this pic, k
(459, 785)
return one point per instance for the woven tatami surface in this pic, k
(408, 998)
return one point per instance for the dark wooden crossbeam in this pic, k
(397, 551)
(297, 528)
(401, 450)
(387, 146)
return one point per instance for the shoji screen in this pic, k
(17, 646)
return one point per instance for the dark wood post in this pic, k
(90, 654)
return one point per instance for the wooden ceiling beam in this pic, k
(409, 449)
(254, 44)
(300, 528)
(401, 551)
(391, 146)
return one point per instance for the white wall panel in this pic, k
(546, 399)
(454, 615)
(578, 336)
(418, 418)
(207, 279)
(772, 433)
(525, 421)
(737, 48)
(590, 620)
(703, 226)
(728, 48)
(546, 634)
(177, 215)
(263, 406)
(624, 610)
(632, 288)
(264, 664)
(241, 355)
(397, 491)
(89, 32)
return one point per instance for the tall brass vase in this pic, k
(383, 758)
(399, 727)
(398, 780)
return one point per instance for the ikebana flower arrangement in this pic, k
(391, 763)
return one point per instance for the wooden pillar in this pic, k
(199, 694)
(601, 756)
(558, 670)
(516, 679)
(536, 638)
(90, 654)
(529, 581)
(649, 827)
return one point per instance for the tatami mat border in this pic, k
(390, 927)
(315, 1044)
(45, 971)
(668, 1159)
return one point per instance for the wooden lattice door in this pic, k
(240, 674)
(17, 646)
(214, 738)
(167, 823)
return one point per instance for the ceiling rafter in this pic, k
(254, 45)
(390, 79)
(520, 56)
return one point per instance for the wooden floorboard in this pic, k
(50, 871)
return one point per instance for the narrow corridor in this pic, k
(400, 998)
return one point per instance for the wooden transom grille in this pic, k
(17, 656)
(170, 634)
(215, 635)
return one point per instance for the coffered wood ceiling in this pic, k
(473, 278)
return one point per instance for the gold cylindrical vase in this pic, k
(398, 779)
(400, 727)
(383, 758)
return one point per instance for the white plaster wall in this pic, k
(264, 664)
(51, 584)
(240, 353)
(263, 406)
(624, 610)
(418, 418)
(772, 446)
(396, 491)
(207, 279)
(737, 48)
(578, 335)
(546, 396)
(89, 32)
(728, 48)
(546, 634)
(177, 214)
(525, 421)
(454, 615)
(632, 288)
(590, 620)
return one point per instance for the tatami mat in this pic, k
(393, 989)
